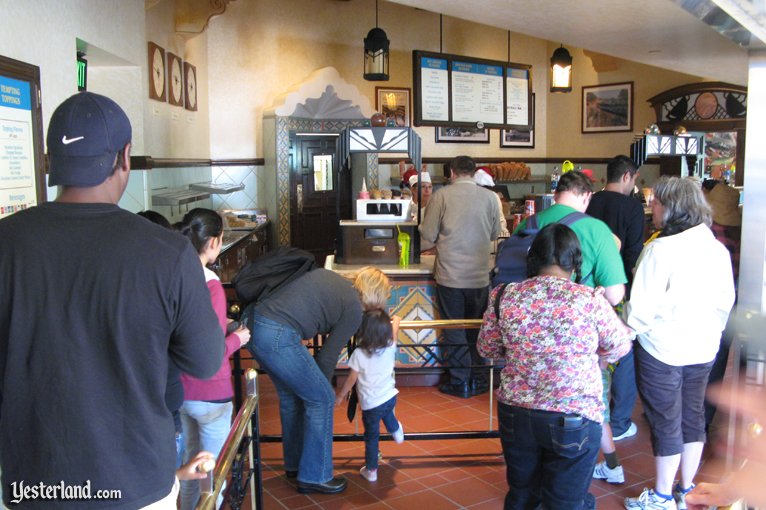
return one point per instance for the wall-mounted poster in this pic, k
(20, 138)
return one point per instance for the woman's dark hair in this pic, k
(555, 244)
(157, 218)
(200, 225)
(375, 333)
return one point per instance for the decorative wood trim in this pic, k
(480, 161)
(148, 162)
(684, 92)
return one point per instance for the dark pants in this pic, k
(673, 398)
(624, 393)
(371, 420)
(460, 304)
(547, 461)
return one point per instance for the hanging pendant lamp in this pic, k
(376, 52)
(561, 70)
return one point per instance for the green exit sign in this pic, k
(82, 74)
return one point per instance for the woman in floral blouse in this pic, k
(552, 333)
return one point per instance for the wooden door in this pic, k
(314, 190)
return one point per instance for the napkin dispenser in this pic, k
(382, 209)
(367, 242)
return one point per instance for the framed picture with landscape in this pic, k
(607, 108)
(461, 135)
(394, 103)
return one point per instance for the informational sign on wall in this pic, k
(453, 90)
(17, 165)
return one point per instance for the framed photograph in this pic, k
(461, 135)
(394, 103)
(519, 138)
(607, 108)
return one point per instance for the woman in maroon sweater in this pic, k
(207, 408)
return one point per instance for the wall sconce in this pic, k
(561, 70)
(376, 52)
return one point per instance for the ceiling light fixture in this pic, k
(561, 70)
(376, 52)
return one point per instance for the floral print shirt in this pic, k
(551, 333)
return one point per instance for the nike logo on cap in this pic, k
(67, 141)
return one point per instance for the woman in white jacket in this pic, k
(682, 294)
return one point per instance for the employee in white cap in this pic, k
(484, 179)
(426, 188)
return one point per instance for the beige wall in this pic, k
(565, 137)
(260, 48)
(173, 131)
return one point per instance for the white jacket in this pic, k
(682, 294)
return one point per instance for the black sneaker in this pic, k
(333, 486)
(462, 390)
(479, 386)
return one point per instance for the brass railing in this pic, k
(231, 454)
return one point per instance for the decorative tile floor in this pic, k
(435, 474)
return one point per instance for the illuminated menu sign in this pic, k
(434, 99)
(17, 166)
(477, 93)
(452, 90)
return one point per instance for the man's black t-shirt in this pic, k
(625, 217)
(93, 302)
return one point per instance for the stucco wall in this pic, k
(260, 48)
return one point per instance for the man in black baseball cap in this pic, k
(94, 301)
(85, 134)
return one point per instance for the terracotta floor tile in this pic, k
(471, 491)
(426, 499)
(438, 474)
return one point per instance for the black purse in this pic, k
(353, 400)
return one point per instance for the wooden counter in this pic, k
(240, 247)
(424, 268)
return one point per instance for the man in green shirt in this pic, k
(601, 262)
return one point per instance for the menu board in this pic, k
(17, 163)
(453, 90)
(434, 78)
(477, 93)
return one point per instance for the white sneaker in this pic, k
(398, 434)
(648, 500)
(602, 472)
(680, 496)
(632, 430)
(371, 475)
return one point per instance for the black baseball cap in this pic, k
(84, 136)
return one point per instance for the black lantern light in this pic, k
(376, 52)
(561, 70)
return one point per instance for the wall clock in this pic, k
(190, 80)
(156, 72)
(175, 80)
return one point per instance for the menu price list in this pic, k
(477, 93)
(435, 89)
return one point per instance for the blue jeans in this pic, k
(547, 461)
(371, 420)
(462, 304)
(624, 394)
(206, 426)
(306, 399)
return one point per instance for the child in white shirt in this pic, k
(372, 369)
